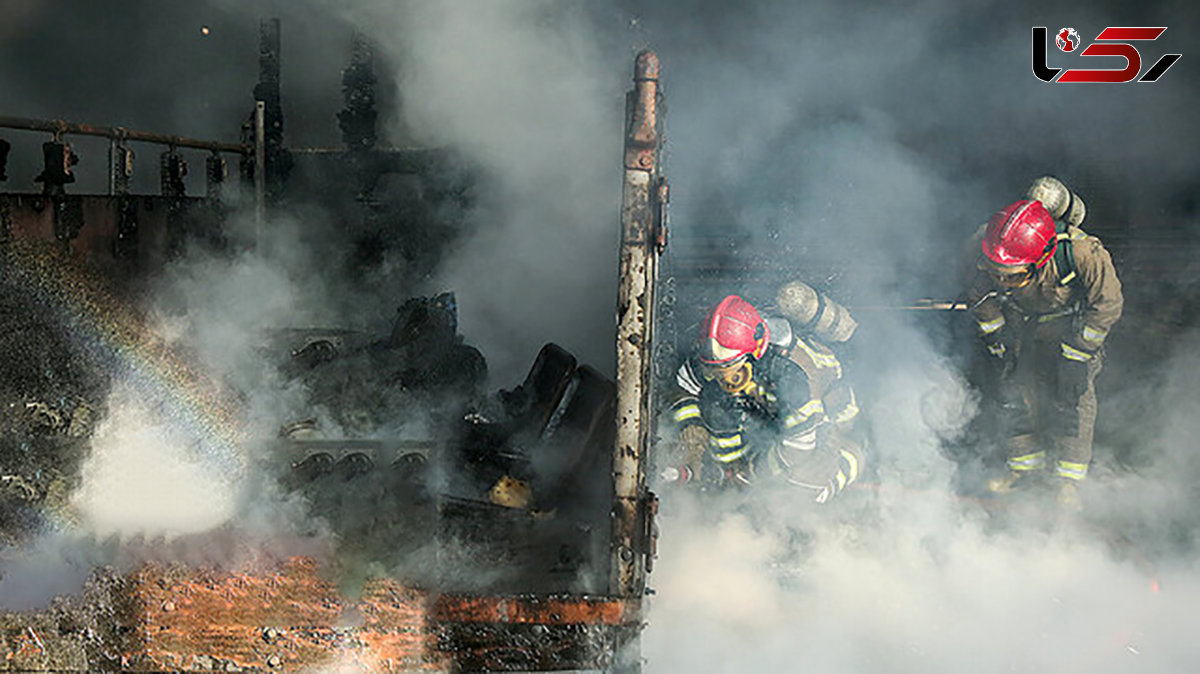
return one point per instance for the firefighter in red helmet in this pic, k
(1044, 296)
(764, 401)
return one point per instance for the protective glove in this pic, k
(677, 474)
(693, 443)
(1003, 358)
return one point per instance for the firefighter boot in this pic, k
(1023, 459)
(1005, 483)
(1068, 496)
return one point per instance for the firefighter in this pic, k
(765, 402)
(1044, 296)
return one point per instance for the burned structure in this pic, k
(538, 491)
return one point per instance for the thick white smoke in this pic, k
(145, 477)
(908, 596)
(523, 90)
(902, 576)
(877, 137)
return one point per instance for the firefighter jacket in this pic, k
(796, 419)
(1085, 290)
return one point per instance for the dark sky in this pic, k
(953, 79)
(148, 66)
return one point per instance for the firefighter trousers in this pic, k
(1062, 430)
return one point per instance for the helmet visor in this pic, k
(712, 352)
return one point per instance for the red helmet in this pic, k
(733, 331)
(1021, 233)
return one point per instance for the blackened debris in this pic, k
(357, 120)
(5, 146)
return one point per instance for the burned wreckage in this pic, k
(537, 491)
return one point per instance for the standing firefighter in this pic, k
(1044, 297)
(763, 401)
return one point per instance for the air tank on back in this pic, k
(811, 310)
(1062, 203)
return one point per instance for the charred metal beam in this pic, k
(642, 239)
(358, 118)
(216, 170)
(246, 161)
(259, 168)
(173, 170)
(60, 128)
(4, 148)
(277, 163)
(120, 167)
(267, 90)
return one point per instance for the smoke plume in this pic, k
(854, 147)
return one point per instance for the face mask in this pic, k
(733, 379)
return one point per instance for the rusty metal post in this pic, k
(640, 247)
(260, 169)
(60, 128)
(120, 167)
(277, 162)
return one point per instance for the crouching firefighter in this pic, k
(1044, 296)
(760, 401)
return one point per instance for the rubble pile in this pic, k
(406, 457)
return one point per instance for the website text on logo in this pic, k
(1119, 37)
